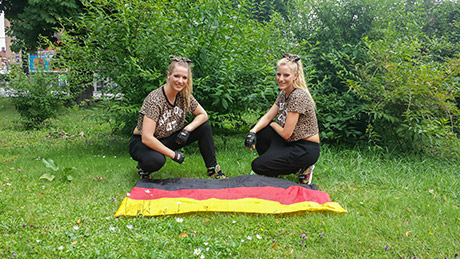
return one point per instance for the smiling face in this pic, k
(178, 78)
(285, 78)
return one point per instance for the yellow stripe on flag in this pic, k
(171, 206)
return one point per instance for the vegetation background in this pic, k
(384, 74)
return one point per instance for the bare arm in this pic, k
(200, 117)
(289, 126)
(266, 119)
(148, 128)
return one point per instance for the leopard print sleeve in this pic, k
(193, 103)
(298, 102)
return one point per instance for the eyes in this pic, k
(284, 75)
(177, 76)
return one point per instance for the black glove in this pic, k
(250, 140)
(182, 137)
(178, 157)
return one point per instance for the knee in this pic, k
(258, 167)
(153, 164)
(205, 127)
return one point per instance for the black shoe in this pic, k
(216, 173)
(142, 174)
(305, 174)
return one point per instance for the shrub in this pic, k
(36, 97)
(411, 99)
(130, 42)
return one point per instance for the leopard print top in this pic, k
(298, 101)
(169, 117)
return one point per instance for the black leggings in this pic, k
(280, 157)
(152, 161)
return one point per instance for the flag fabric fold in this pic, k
(244, 193)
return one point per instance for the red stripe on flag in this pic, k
(293, 194)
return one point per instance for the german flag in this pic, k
(245, 193)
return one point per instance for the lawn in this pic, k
(399, 205)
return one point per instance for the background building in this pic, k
(7, 55)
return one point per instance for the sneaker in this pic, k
(216, 173)
(305, 174)
(142, 174)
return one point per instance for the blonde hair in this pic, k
(187, 91)
(295, 64)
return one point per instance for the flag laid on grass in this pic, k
(245, 193)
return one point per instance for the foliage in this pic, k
(49, 163)
(411, 102)
(399, 205)
(331, 31)
(130, 42)
(38, 96)
(30, 19)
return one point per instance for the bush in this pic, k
(37, 96)
(130, 42)
(411, 99)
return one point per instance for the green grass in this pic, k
(407, 203)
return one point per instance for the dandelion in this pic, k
(112, 228)
(259, 236)
(180, 220)
(60, 247)
(197, 251)
(75, 227)
(129, 226)
(249, 238)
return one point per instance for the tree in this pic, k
(30, 19)
(130, 41)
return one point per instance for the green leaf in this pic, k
(48, 177)
(50, 164)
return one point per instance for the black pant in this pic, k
(152, 161)
(279, 157)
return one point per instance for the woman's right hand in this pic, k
(250, 141)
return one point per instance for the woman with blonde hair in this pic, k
(291, 143)
(161, 128)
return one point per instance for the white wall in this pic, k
(2, 32)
